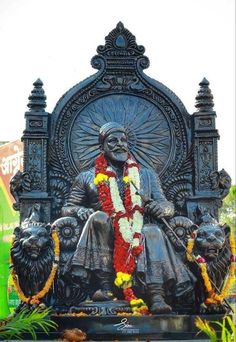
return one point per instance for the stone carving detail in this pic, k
(205, 122)
(32, 254)
(26, 207)
(37, 99)
(105, 309)
(59, 183)
(113, 82)
(206, 155)
(35, 152)
(68, 230)
(59, 186)
(130, 111)
(221, 181)
(19, 183)
(36, 123)
(212, 243)
(120, 43)
(180, 185)
(204, 99)
(182, 227)
(132, 114)
(67, 294)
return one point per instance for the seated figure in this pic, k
(122, 204)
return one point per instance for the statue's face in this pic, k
(115, 147)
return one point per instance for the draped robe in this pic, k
(158, 264)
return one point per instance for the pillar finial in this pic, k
(204, 98)
(37, 99)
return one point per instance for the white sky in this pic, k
(185, 41)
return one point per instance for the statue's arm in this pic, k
(76, 204)
(160, 206)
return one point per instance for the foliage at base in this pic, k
(26, 322)
(227, 328)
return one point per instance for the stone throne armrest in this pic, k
(69, 230)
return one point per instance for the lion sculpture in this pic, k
(32, 255)
(212, 243)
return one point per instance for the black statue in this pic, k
(99, 231)
(158, 264)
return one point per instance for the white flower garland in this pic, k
(128, 227)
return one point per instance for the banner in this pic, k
(11, 160)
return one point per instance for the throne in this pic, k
(180, 147)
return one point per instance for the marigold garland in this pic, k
(35, 299)
(213, 298)
(127, 222)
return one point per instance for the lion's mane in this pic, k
(32, 274)
(217, 268)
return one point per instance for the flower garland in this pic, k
(35, 299)
(127, 222)
(213, 298)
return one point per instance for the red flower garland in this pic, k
(124, 257)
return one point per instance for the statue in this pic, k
(120, 230)
(117, 230)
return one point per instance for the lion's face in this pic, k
(34, 238)
(32, 255)
(210, 240)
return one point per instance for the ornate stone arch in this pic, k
(157, 122)
(182, 148)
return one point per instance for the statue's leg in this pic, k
(156, 260)
(94, 254)
(156, 295)
(165, 273)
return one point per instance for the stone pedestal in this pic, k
(131, 328)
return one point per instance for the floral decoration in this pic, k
(127, 220)
(213, 297)
(35, 299)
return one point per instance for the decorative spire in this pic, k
(120, 53)
(204, 99)
(37, 99)
(120, 43)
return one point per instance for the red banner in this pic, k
(11, 160)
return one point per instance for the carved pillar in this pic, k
(205, 138)
(35, 139)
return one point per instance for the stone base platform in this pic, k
(131, 328)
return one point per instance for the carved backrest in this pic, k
(182, 148)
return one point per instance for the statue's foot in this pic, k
(103, 295)
(159, 306)
(213, 309)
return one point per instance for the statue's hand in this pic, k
(159, 210)
(84, 213)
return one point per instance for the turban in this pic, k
(109, 128)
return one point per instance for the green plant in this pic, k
(228, 211)
(227, 215)
(26, 322)
(228, 330)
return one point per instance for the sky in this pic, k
(55, 40)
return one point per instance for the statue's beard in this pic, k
(117, 156)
